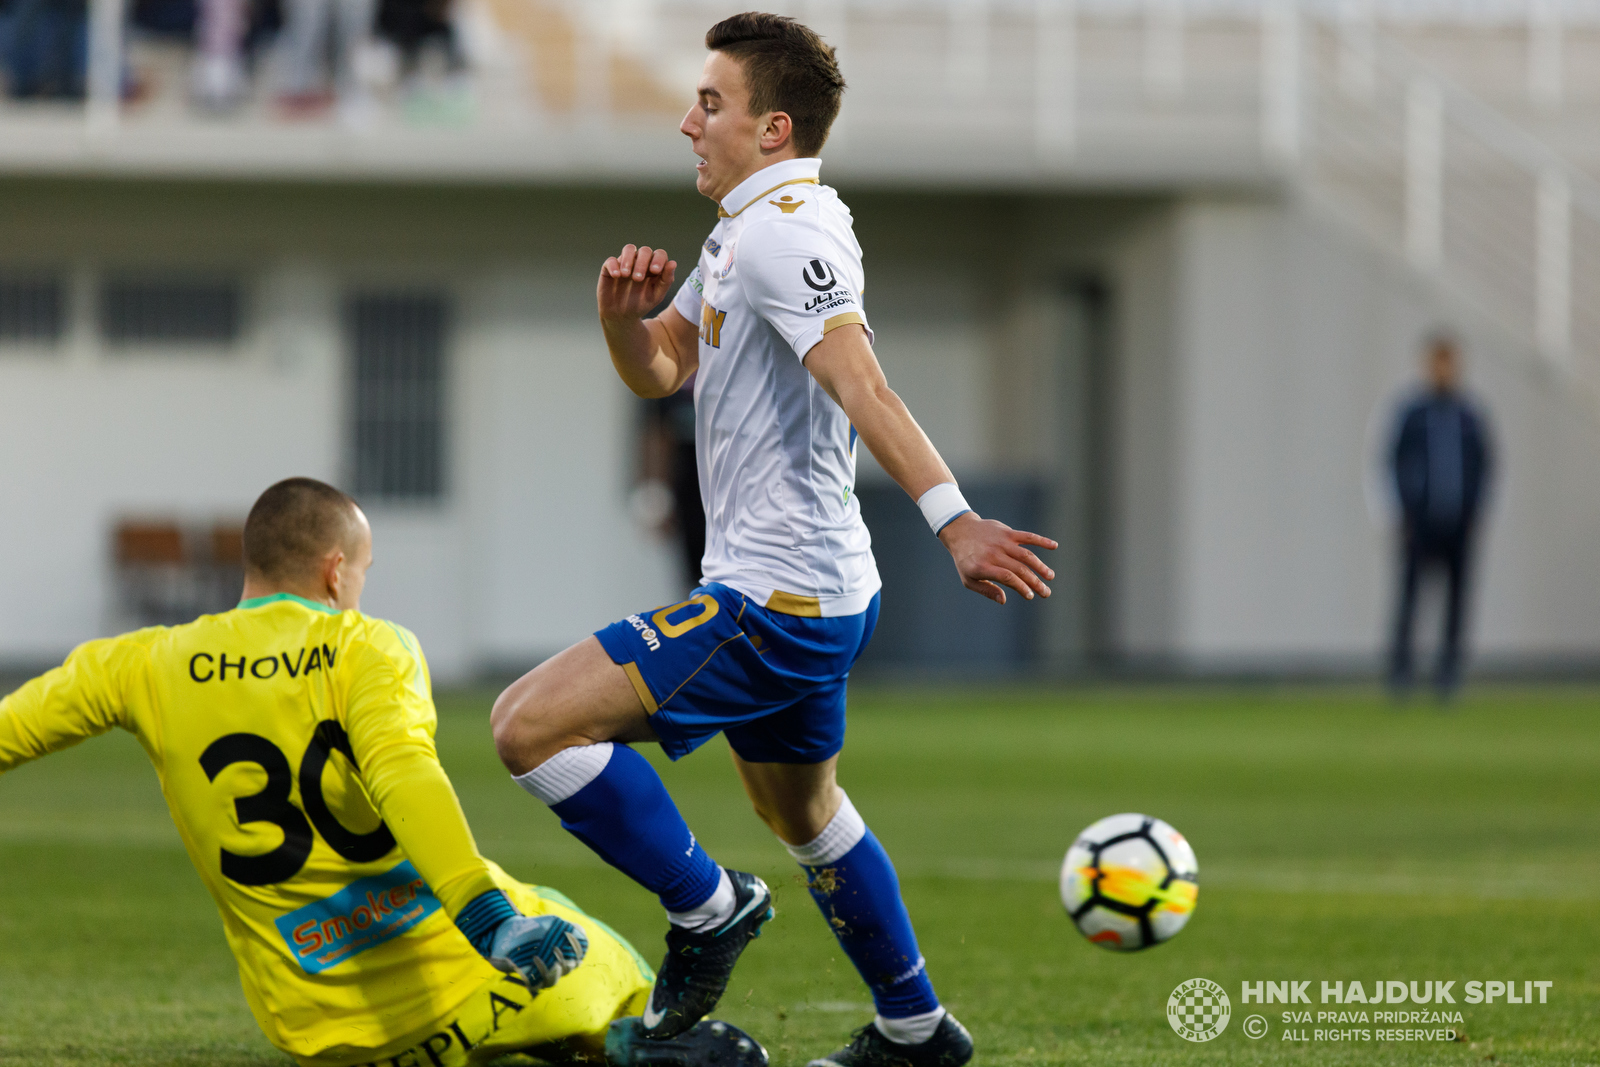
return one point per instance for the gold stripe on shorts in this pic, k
(631, 669)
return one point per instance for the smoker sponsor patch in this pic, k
(360, 916)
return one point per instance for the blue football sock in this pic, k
(859, 894)
(625, 814)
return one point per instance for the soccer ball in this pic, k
(1129, 882)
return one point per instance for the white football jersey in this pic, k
(776, 454)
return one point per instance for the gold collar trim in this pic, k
(721, 214)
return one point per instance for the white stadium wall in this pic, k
(1252, 507)
(89, 437)
(552, 551)
(1253, 350)
(531, 543)
(535, 545)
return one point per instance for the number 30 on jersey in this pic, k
(272, 805)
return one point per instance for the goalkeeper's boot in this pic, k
(708, 1043)
(699, 962)
(950, 1046)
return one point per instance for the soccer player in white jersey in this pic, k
(772, 318)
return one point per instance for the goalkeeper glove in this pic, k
(542, 948)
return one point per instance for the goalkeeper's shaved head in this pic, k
(294, 525)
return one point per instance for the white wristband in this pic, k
(942, 505)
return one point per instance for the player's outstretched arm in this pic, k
(988, 554)
(77, 700)
(654, 357)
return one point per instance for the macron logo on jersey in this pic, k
(651, 638)
(360, 916)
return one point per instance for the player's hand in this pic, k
(541, 948)
(634, 281)
(990, 554)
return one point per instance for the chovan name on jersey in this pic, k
(203, 666)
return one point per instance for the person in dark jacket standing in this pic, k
(1440, 462)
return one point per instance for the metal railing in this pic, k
(1468, 196)
(1054, 74)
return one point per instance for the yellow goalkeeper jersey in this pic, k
(295, 749)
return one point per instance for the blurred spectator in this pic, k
(171, 19)
(44, 47)
(1440, 463)
(219, 69)
(305, 83)
(670, 472)
(414, 25)
(163, 18)
(227, 36)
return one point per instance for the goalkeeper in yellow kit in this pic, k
(293, 737)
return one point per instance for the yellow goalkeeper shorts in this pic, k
(504, 1016)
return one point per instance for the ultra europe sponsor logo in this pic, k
(828, 301)
(1198, 1010)
(819, 276)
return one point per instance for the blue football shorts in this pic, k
(773, 683)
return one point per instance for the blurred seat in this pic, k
(227, 545)
(168, 573)
(146, 543)
(554, 49)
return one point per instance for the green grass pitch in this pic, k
(1338, 839)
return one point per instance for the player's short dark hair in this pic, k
(293, 525)
(787, 68)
